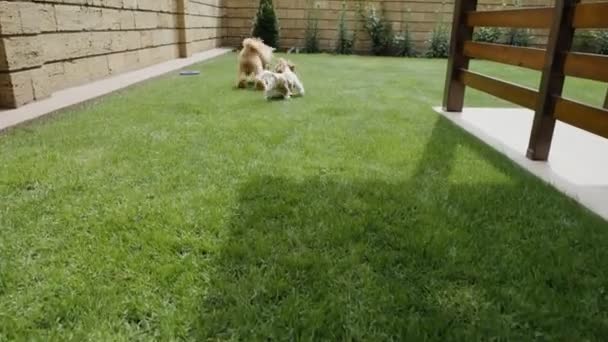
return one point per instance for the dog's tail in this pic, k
(254, 45)
(251, 45)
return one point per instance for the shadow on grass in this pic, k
(332, 259)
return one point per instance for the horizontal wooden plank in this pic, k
(591, 15)
(585, 65)
(518, 56)
(519, 18)
(588, 118)
(514, 93)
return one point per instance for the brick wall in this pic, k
(421, 15)
(49, 45)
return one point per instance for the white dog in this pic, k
(275, 85)
(287, 69)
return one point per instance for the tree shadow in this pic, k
(333, 259)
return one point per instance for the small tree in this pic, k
(602, 42)
(311, 38)
(404, 42)
(266, 24)
(346, 40)
(439, 44)
(487, 34)
(379, 30)
(519, 37)
(516, 36)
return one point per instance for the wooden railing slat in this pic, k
(591, 15)
(519, 56)
(519, 18)
(589, 66)
(591, 119)
(514, 93)
(583, 65)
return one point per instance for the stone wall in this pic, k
(49, 45)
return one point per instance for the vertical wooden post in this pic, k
(453, 97)
(606, 101)
(552, 82)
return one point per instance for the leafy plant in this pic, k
(602, 42)
(585, 41)
(487, 34)
(346, 41)
(591, 42)
(379, 31)
(439, 44)
(518, 37)
(311, 38)
(405, 43)
(266, 24)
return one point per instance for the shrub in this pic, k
(346, 41)
(487, 34)
(439, 44)
(405, 43)
(584, 41)
(591, 42)
(518, 37)
(266, 24)
(379, 31)
(311, 37)
(602, 42)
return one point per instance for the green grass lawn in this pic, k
(182, 209)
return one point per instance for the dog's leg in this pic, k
(259, 84)
(241, 80)
(287, 92)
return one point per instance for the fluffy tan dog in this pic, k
(254, 58)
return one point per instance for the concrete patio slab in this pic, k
(577, 165)
(72, 96)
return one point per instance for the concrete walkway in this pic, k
(578, 163)
(72, 96)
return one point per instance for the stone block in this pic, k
(11, 21)
(121, 62)
(20, 52)
(146, 20)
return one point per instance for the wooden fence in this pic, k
(556, 62)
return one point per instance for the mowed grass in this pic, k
(182, 209)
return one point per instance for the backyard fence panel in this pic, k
(556, 62)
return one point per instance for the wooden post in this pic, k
(552, 82)
(453, 97)
(606, 101)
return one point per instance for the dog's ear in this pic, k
(291, 66)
